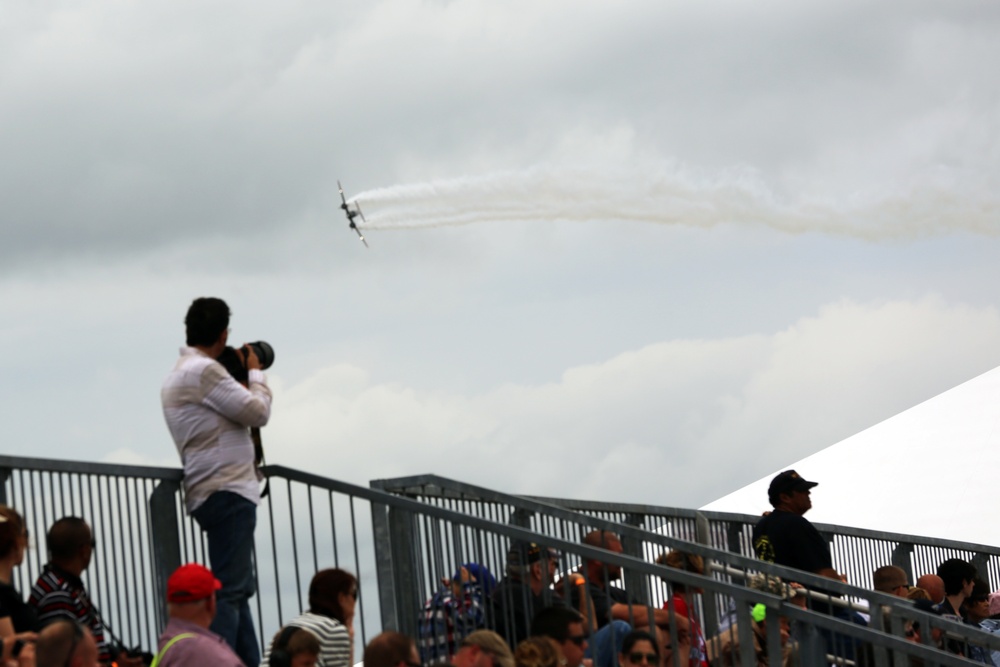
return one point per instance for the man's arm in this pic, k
(247, 406)
(638, 616)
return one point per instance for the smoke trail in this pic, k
(663, 194)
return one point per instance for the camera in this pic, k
(236, 365)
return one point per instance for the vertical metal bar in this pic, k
(384, 563)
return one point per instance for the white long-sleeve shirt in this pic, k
(208, 414)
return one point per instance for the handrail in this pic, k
(399, 557)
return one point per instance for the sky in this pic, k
(646, 251)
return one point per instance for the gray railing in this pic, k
(399, 547)
(856, 552)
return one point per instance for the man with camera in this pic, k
(209, 415)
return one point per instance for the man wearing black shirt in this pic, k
(784, 536)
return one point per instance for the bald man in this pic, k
(934, 585)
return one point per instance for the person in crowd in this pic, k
(934, 586)
(525, 590)
(59, 591)
(959, 577)
(917, 593)
(391, 649)
(977, 611)
(639, 649)
(564, 628)
(608, 602)
(208, 414)
(191, 606)
(891, 580)
(784, 536)
(15, 615)
(454, 612)
(992, 624)
(666, 646)
(293, 647)
(333, 596)
(483, 648)
(536, 652)
(724, 648)
(66, 643)
(682, 599)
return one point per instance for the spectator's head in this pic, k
(333, 592)
(977, 606)
(483, 648)
(473, 573)
(206, 322)
(391, 649)
(596, 570)
(65, 643)
(191, 594)
(995, 604)
(934, 585)
(790, 493)
(958, 576)
(564, 628)
(294, 647)
(13, 536)
(681, 560)
(917, 593)
(70, 544)
(891, 580)
(532, 563)
(536, 652)
(639, 649)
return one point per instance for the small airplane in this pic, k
(351, 214)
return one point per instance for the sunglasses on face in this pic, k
(636, 658)
(579, 640)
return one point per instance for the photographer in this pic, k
(209, 413)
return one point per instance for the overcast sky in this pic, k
(641, 251)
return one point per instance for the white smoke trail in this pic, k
(666, 194)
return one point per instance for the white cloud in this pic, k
(671, 423)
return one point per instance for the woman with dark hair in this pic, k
(639, 650)
(15, 615)
(333, 594)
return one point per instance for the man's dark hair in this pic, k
(636, 636)
(66, 537)
(554, 622)
(388, 650)
(206, 319)
(955, 572)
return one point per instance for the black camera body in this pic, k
(236, 366)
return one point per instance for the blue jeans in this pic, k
(229, 520)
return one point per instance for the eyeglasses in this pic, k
(636, 658)
(579, 640)
(354, 594)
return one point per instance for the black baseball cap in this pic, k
(786, 482)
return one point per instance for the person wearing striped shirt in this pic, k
(209, 415)
(333, 595)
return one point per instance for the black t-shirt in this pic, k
(603, 601)
(13, 606)
(788, 539)
(515, 604)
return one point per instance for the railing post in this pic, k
(521, 518)
(404, 579)
(981, 562)
(165, 536)
(902, 556)
(4, 477)
(636, 584)
(384, 565)
(709, 602)
(734, 537)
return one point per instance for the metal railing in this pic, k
(856, 552)
(400, 549)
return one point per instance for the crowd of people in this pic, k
(536, 615)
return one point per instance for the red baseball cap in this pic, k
(190, 583)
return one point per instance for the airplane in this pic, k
(352, 214)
